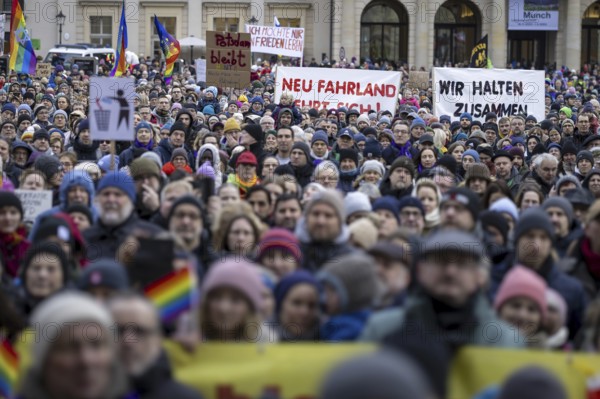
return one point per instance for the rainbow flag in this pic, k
(174, 293)
(9, 367)
(170, 48)
(120, 63)
(22, 56)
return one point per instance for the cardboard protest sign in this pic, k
(323, 88)
(228, 59)
(34, 203)
(111, 108)
(200, 70)
(277, 40)
(478, 91)
(43, 69)
(418, 80)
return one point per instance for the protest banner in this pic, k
(228, 59)
(87, 64)
(478, 91)
(418, 80)
(200, 70)
(276, 40)
(323, 88)
(111, 108)
(34, 203)
(533, 15)
(43, 69)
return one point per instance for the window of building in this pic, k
(384, 32)
(457, 29)
(226, 24)
(101, 30)
(170, 23)
(590, 35)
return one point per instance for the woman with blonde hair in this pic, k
(439, 140)
(430, 196)
(237, 230)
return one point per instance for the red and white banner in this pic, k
(323, 88)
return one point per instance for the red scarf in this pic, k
(592, 259)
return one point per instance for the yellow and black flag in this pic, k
(479, 55)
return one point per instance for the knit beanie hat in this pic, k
(466, 197)
(516, 152)
(59, 112)
(532, 382)
(372, 149)
(120, 180)
(145, 166)
(403, 162)
(277, 238)
(246, 158)
(359, 137)
(567, 179)
(354, 279)
(10, 107)
(521, 281)
(490, 126)
(299, 145)
(43, 248)
(330, 197)
(418, 122)
(370, 132)
(533, 218)
(584, 154)
(349, 154)
(47, 164)
(55, 314)
(472, 153)
(413, 202)
(178, 152)
(83, 124)
(388, 203)
(84, 210)
(477, 170)
(562, 203)
(466, 115)
(178, 126)
(104, 272)
(255, 131)
(10, 199)
(362, 118)
(506, 205)
(236, 273)
(381, 375)
(319, 135)
(372, 165)
(288, 282)
(448, 162)
(357, 202)
(569, 148)
(141, 125)
(185, 199)
(495, 219)
(206, 169)
(556, 301)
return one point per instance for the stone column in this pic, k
(348, 30)
(494, 15)
(573, 35)
(424, 32)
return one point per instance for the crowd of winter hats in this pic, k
(228, 211)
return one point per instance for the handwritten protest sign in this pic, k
(323, 88)
(34, 202)
(228, 59)
(478, 91)
(418, 80)
(43, 69)
(276, 40)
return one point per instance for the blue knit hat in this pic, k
(143, 125)
(288, 282)
(83, 125)
(413, 202)
(472, 153)
(359, 137)
(9, 107)
(319, 135)
(120, 180)
(418, 122)
(445, 118)
(104, 163)
(466, 115)
(388, 203)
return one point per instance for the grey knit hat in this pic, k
(357, 202)
(562, 203)
(330, 197)
(566, 179)
(354, 279)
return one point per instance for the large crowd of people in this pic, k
(412, 230)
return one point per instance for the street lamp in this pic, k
(253, 20)
(60, 20)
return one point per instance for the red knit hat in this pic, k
(283, 239)
(521, 281)
(247, 158)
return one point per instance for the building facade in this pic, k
(419, 32)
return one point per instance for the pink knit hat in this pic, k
(239, 274)
(521, 281)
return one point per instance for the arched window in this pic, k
(590, 35)
(384, 32)
(457, 27)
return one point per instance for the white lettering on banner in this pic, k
(480, 91)
(277, 40)
(321, 88)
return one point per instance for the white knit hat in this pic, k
(373, 164)
(52, 317)
(357, 202)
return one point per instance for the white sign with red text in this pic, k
(323, 88)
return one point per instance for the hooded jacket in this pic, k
(165, 151)
(216, 162)
(296, 115)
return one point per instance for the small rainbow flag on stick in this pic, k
(170, 48)
(174, 293)
(9, 367)
(22, 57)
